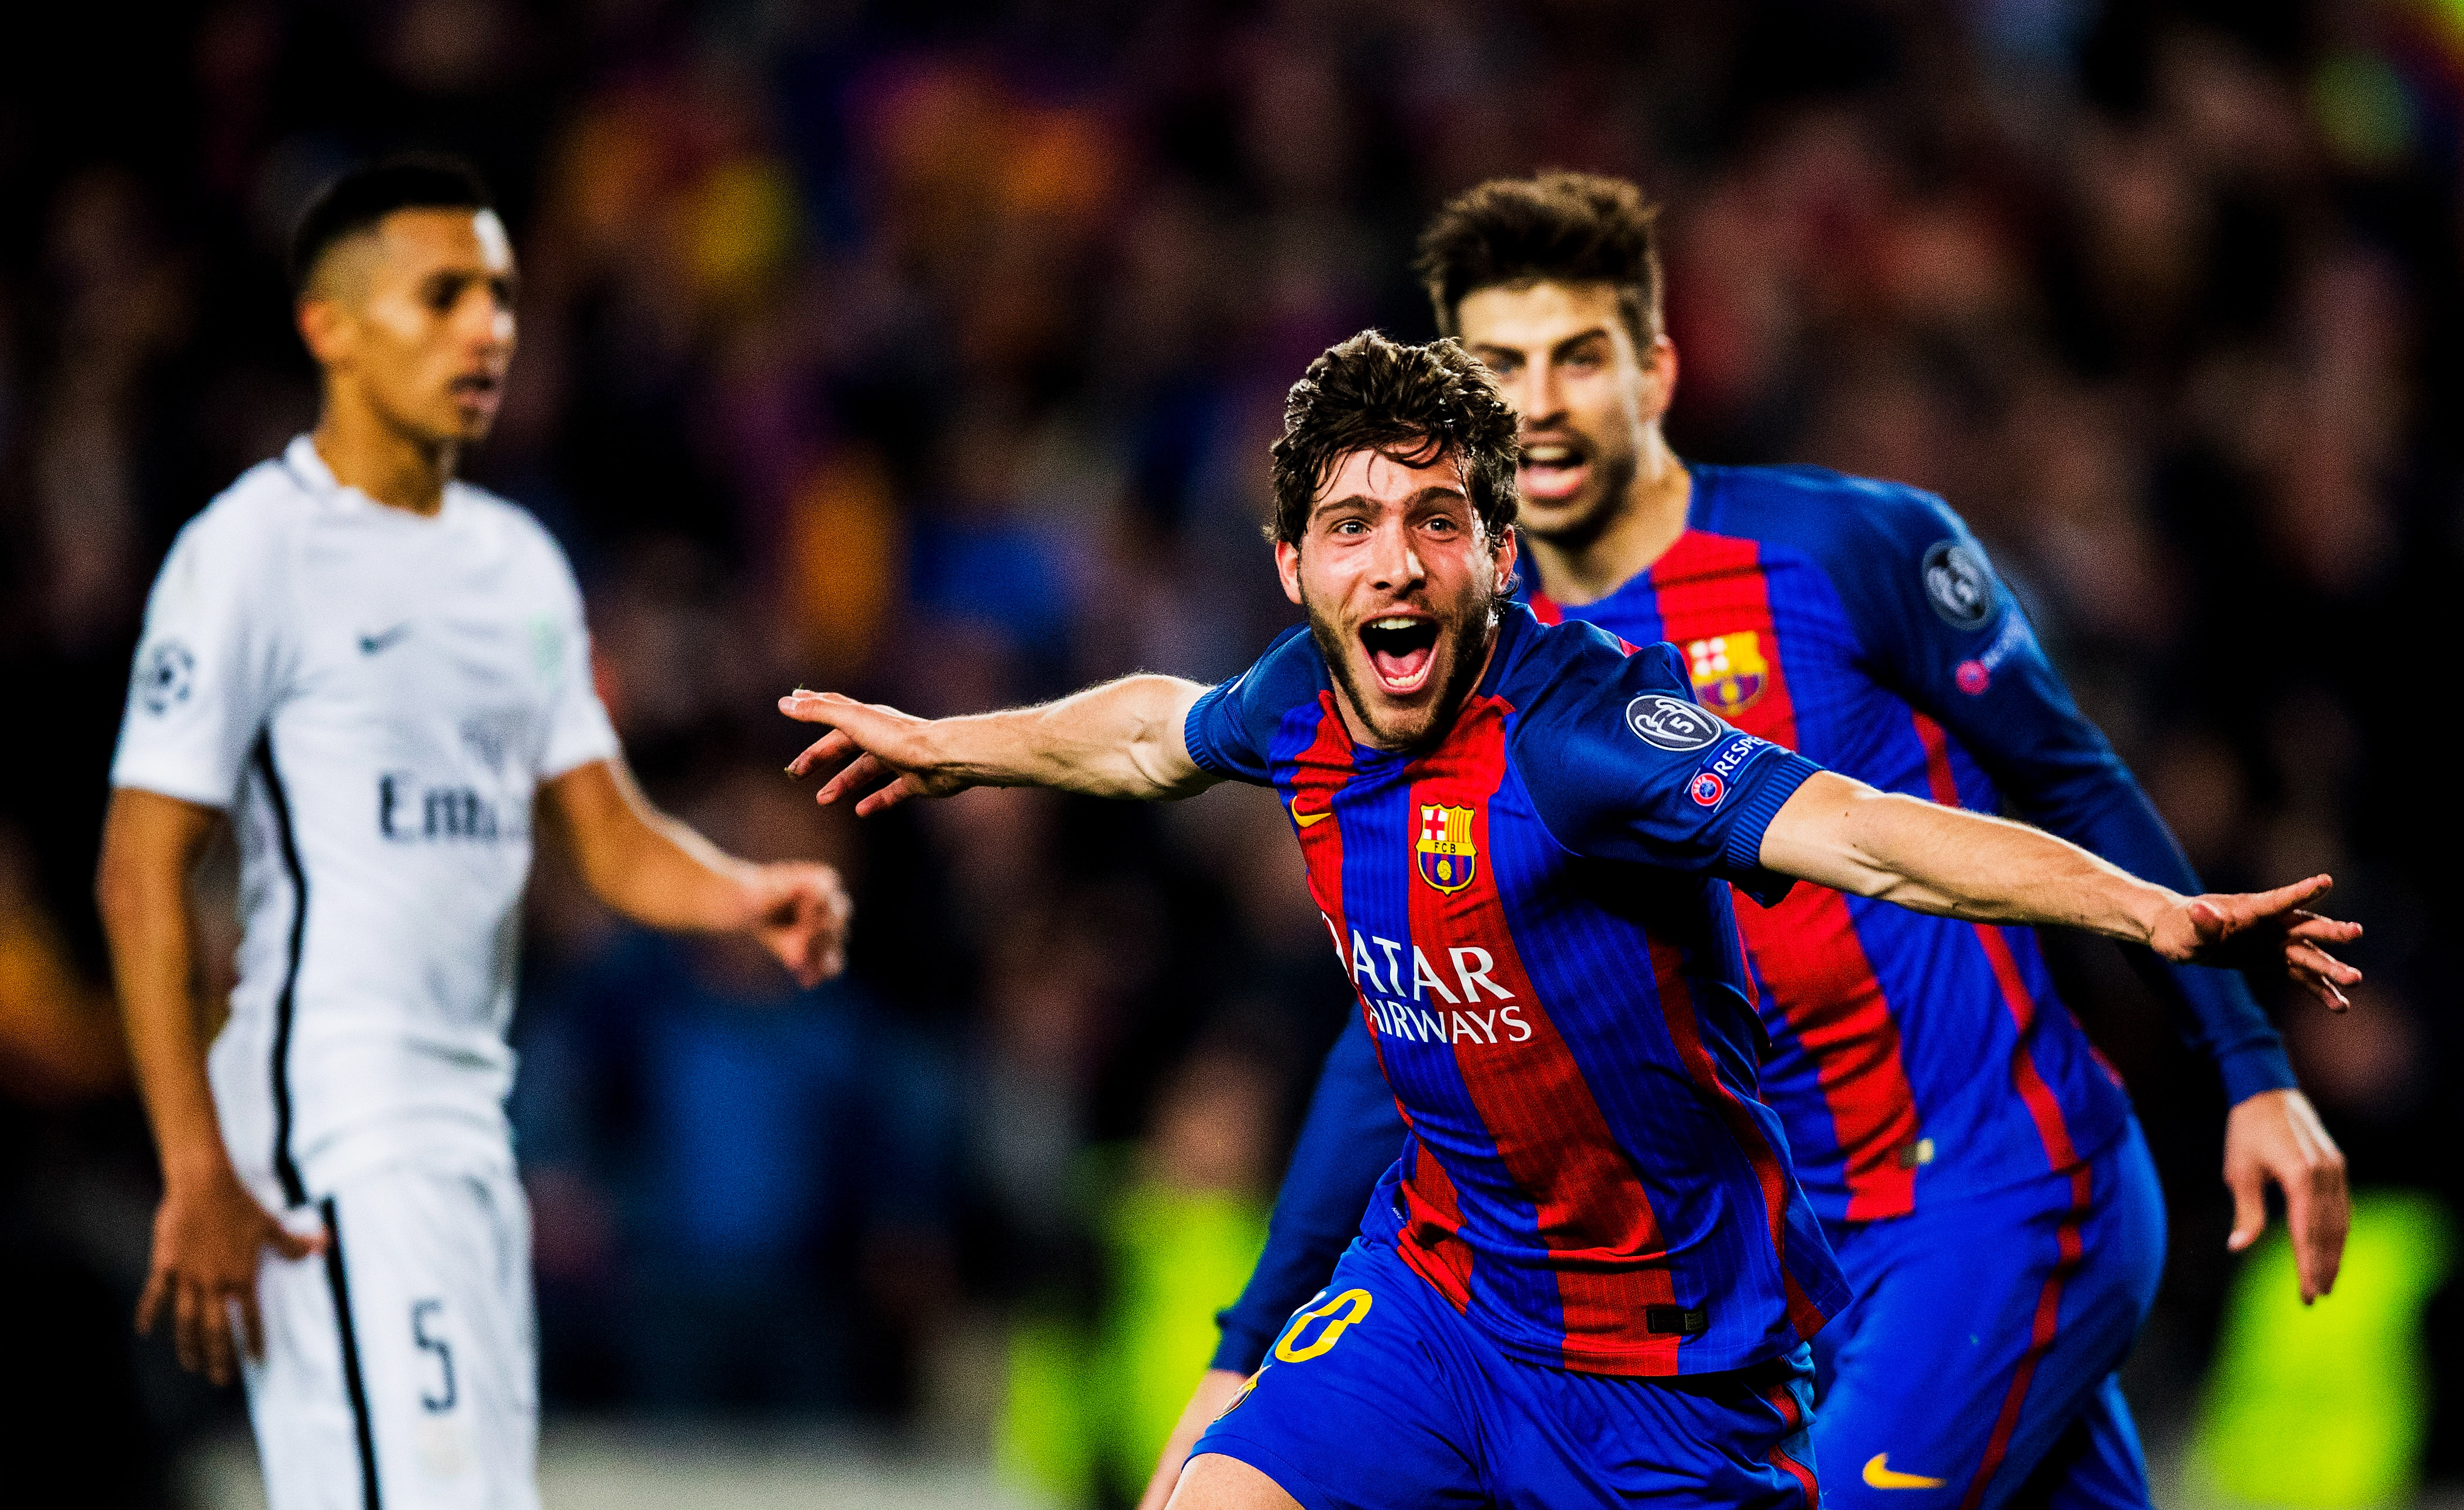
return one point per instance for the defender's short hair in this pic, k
(1415, 404)
(360, 199)
(1556, 228)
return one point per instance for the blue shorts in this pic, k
(1976, 1366)
(1378, 1396)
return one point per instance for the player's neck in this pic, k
(400, 470)
(1646, 522)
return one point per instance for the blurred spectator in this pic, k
(1176, 1224)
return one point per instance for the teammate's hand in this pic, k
(2257, 927)
(2277, 1135)
(802, 917)
(885, 743)
(209, 1236)
(1216, 1389)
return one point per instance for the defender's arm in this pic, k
(208, 1232)
(1841, 833)
(659, 872)
(1122, 740)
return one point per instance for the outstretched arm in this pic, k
(658, 871)
(1980, 671)
(1122, 740)
(1841, 833)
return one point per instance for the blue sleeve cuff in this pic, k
(1193, 733)
(2254, 1069)
(1243, 1345)
(1775, 780)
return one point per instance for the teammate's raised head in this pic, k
(1553, 283)
(1552, 227)
(404, 282)
(1394, 500)
(1415, 405)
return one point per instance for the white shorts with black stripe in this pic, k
(401, 1367)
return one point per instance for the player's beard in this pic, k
(1581, 524)
(1468, 640)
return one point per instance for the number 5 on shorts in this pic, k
(1354, 1303)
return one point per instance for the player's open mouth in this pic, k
(1401, 650)
(478, 388)
(1553, 467)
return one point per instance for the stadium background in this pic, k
(931, 352)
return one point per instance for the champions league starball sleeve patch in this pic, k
(165, 676)
(1959, 585)
(1672, 723)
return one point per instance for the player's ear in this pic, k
(1287, 567)
(1658, 377)
(1509, 549)
(324, 328)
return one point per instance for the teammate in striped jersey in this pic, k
(1591, 1276)
(1975, 1163)
(381, 677)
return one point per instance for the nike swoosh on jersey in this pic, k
(371, 643)
(1880, 1475)
(1305, 819)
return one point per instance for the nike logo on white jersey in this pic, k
(371, 643)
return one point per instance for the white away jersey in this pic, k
(375, 696)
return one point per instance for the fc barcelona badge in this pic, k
(1445, 851)
(1727, 671)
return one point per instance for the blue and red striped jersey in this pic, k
(1535, 914)
(1910, 1054)
(1914, 1058)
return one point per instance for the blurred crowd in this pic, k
(930, 351)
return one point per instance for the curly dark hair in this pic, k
(1559, 227)
(1413, 404)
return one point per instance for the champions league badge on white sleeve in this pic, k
(166, 677)
(1672, 723)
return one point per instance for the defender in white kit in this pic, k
(381, 677)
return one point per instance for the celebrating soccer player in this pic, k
(1976, 1168)
(1591, 1274)
(382, 677)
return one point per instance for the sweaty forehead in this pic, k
(1379, 475)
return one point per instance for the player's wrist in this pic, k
(195, 1167)
(2146, 909)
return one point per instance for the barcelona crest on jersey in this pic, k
(1727, 671)
(1445, 851)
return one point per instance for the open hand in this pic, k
(2277, 1135)
(2253, 927)
(803, 918)
(888, 746)
(209, 1236)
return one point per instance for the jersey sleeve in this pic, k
(217, 654)
(1348, 1141)
(1624, 764)
(1231, 728)
(1948, 634)
(577, 728)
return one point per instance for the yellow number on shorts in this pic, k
(1355, 1303)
